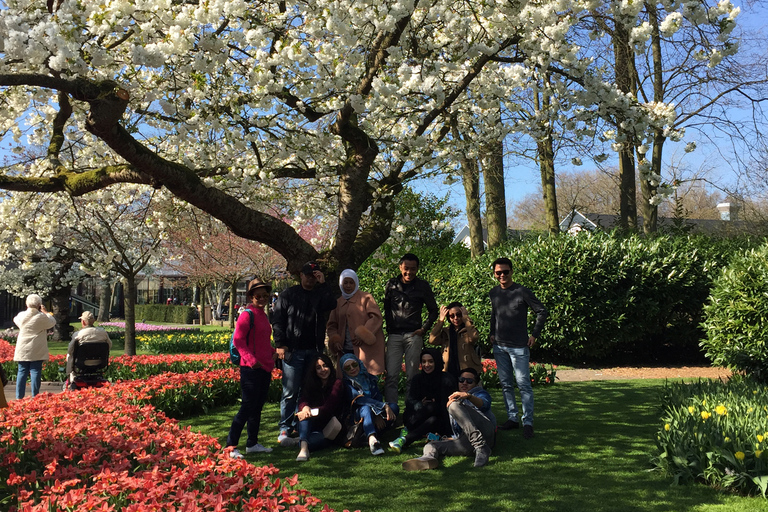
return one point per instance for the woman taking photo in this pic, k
(355, 326)
(367, 404)
(32, 344)
(252, 340)
(320, 407)
(458, 338)
(426, 404)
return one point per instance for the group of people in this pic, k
(331, 394)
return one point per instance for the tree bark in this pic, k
(232, 295)
(202, 304)
(495, 197)
(62, 331)
(130, 315)
(105, 298)
(624, 80)
(546, 157)
(471, 180)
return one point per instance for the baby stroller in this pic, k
(90, 361)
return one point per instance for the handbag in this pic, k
(355, 436)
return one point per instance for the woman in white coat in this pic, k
(32, 344)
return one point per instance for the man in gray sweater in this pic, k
(511, 342)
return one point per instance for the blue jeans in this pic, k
(294, 366)
(33, 369)
(311, 432)
(368, 416)
(512, 365)
(254, 385)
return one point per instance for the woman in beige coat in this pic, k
(458, 338)
(32, 344)
(355, 326)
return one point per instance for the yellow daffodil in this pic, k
(705, 415)
(721, 410)
(666, 427)
(760, 438)
(758, 453)
(739, 455)
(727, 440)
(690, 409)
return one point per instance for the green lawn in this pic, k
(593, 444)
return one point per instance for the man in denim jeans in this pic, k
(511, 342)
(298, 329)
(404, 298)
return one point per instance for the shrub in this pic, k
(736, 316)
(715, 432)
(165, 313)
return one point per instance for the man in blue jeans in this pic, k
(511, 342)
(298, 329)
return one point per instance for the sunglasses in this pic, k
(454, 315)
(349, 366)
(462, 380)
(502, 272)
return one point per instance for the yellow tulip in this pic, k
(739, 455)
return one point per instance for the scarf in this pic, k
(361, 382)
(351, 274)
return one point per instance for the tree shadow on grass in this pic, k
(591, 452)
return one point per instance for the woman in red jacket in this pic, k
(257, 359)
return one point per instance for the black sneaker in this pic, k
(509, 425)
(528, 431)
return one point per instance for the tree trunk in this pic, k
(495, 198)
(130, 315)
(624, 81)
(651, 211)
(232, 295)
(546, 158)
(202, 305)
(62, 331)
(471, 180)
(105, 301)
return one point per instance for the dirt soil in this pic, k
(686, 372)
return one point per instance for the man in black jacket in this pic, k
(404, 298)
(298, 328)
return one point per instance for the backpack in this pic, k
(234, 354)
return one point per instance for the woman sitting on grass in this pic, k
(367, 404)
(426, 404)
(320, 407)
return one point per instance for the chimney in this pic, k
(728, 211)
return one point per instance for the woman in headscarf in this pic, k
(426, 404)
(367, 404)
(32, 344)
(355, 326)
(320, 407)
(458, 338)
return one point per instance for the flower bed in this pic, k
(715, 432)
(185, 342)
(541, 374)
(142, 327)
(93, 450)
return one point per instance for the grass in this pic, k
(591, 452)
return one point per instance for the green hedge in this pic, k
(609, 297)
(736, 316)
(165, 313)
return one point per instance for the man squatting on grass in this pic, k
(404, 298)
(511, 342)
(298, 327)
(473, 424)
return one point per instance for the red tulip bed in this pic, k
(117, 448)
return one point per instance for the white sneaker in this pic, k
(235, 454)
(257, 448)
(375, 446)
